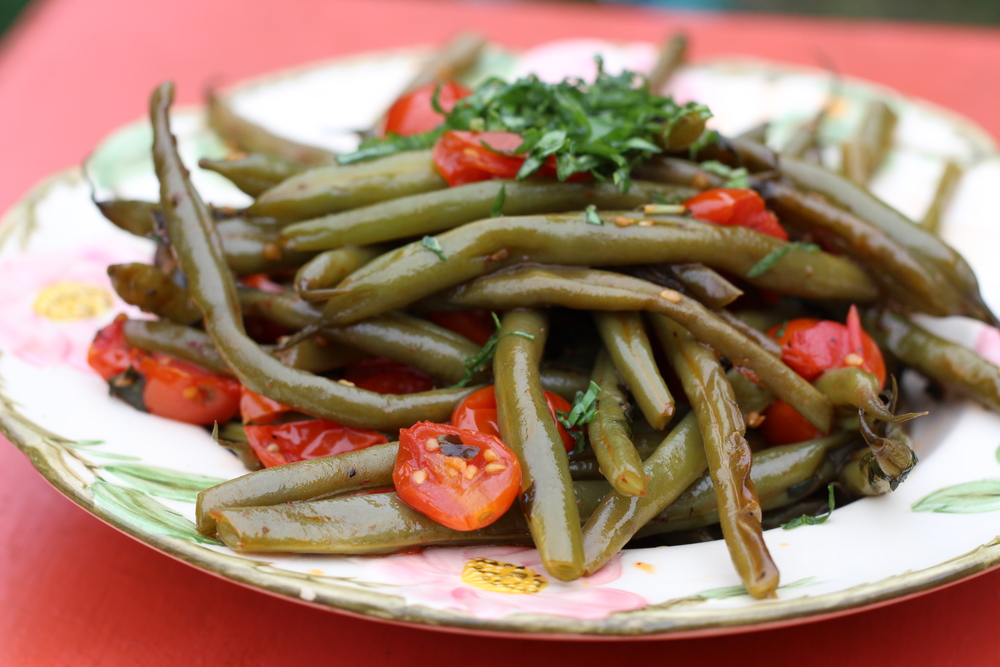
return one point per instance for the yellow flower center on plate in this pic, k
(72, 301)
(500, 577)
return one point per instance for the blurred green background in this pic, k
(975, 12)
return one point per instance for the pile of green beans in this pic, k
(656, 325)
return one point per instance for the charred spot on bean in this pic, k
(352, 472)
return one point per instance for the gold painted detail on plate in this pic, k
(72, 301)
(500, 577)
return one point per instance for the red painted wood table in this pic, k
(74, 591)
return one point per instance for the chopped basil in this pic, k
(771, 258)
(735, 178)
(497, 209)
(584, 409)
(592, 217)
(806, 520)
(432, 244)
(485, 355)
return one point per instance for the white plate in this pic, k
(140, 473)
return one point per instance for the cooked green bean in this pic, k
(678, 172)
(563, 381)
(153, 291)
(335, 188)
(316, 278)
(253, 138)
(947, 185)
(179, 341)
(857, 388)
(671, 57)
(368, 524)
(317, 355)
(585, 466)
(750, 396)
(919, 242)
(625, 339)
(458, 56)
(699, 281)
(937, 358)
(367, 468)
(253, 173)
(198, 251)
(610, 432)
(601, 290)
(528, 429)
(861, 476)
(727, 453)
(440, 210)
(766, 342)
(863, 153)
(407, 274)
(135, 217)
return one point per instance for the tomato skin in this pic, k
(478, 412)
(277, 444)
(384, 376)
(461, 157)
(476, 325)
(784, 425)
(258, 409)
(735, 206)
(184, 392)
(109, 354)
(457, 492)
(414, 112)
(811, 347)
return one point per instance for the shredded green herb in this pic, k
(806, 520)
(432, 244)
(781, 330)
(591, 215)
(497, 209)
(603, 128)
(664, 200)
(771, 258)
(735, 178)
(584, 409)
(474, 364)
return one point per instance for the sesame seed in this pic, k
(419, 476)
(500, 255)
(494, 467)
(623, 221)
(432, 444)
(754, 419)
(673, 296)
(271, 252)
(273, 448)
(664, 209)
(346, 383)
(645, 223)
(854, 359)
(192, 393)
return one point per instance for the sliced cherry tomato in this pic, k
(784, 425)
(476, 325)
(478, 412)
(262, 282)
(811, 347)
(182, 391)
(258, 409)
(277, 444)
(462, 479)
(171, 388)
(414, 112)
(733, 206)
(469, 157)
(385, 376)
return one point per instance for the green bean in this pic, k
(316, 278)
(939, 359)
(563, 382)
(864, 152)
(409, 273)
(782, 475)
(862, 477)
(253, 173)
(199, 253)
(950, 177)
(253, 138)
(601, 290)
(316, 355)
(932, 250)
(457, 57)
(367, 524)
(366, 468)
(250, 248)
(727, 453)
(766, 343)
(281, 308)
(699, 281)
(528, 429)
(750, 396)
(671, 57)
(857, 388)
(678, 172)
(176, 340)
(335, 188)
(585, 466)
(756, 132)
(804, 139)
(153, 291)
(625, 339)
(432, 212)
(610, 432)
(135, 217)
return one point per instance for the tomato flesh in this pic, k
(735, 206)
(277, 444)
(462, 479)
(784, 425)
(414, 113)
(258, 409)
(476, 325)
(384, 376)
(469, 157)
(478, 412)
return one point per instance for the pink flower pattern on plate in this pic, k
(433, 578)
(43, 341)
(988, 344)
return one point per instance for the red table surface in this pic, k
(73, 591)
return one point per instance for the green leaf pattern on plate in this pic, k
(163, 482)
(146, 513)
(965, 498)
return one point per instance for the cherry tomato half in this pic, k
(469, 157)
(733, 206)
(277, 444)
(462, 479)
(414, 112)
(784, 425)
(476, 325)
(478, 412)
(258, 409)
(385, 376)
(172, 388)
